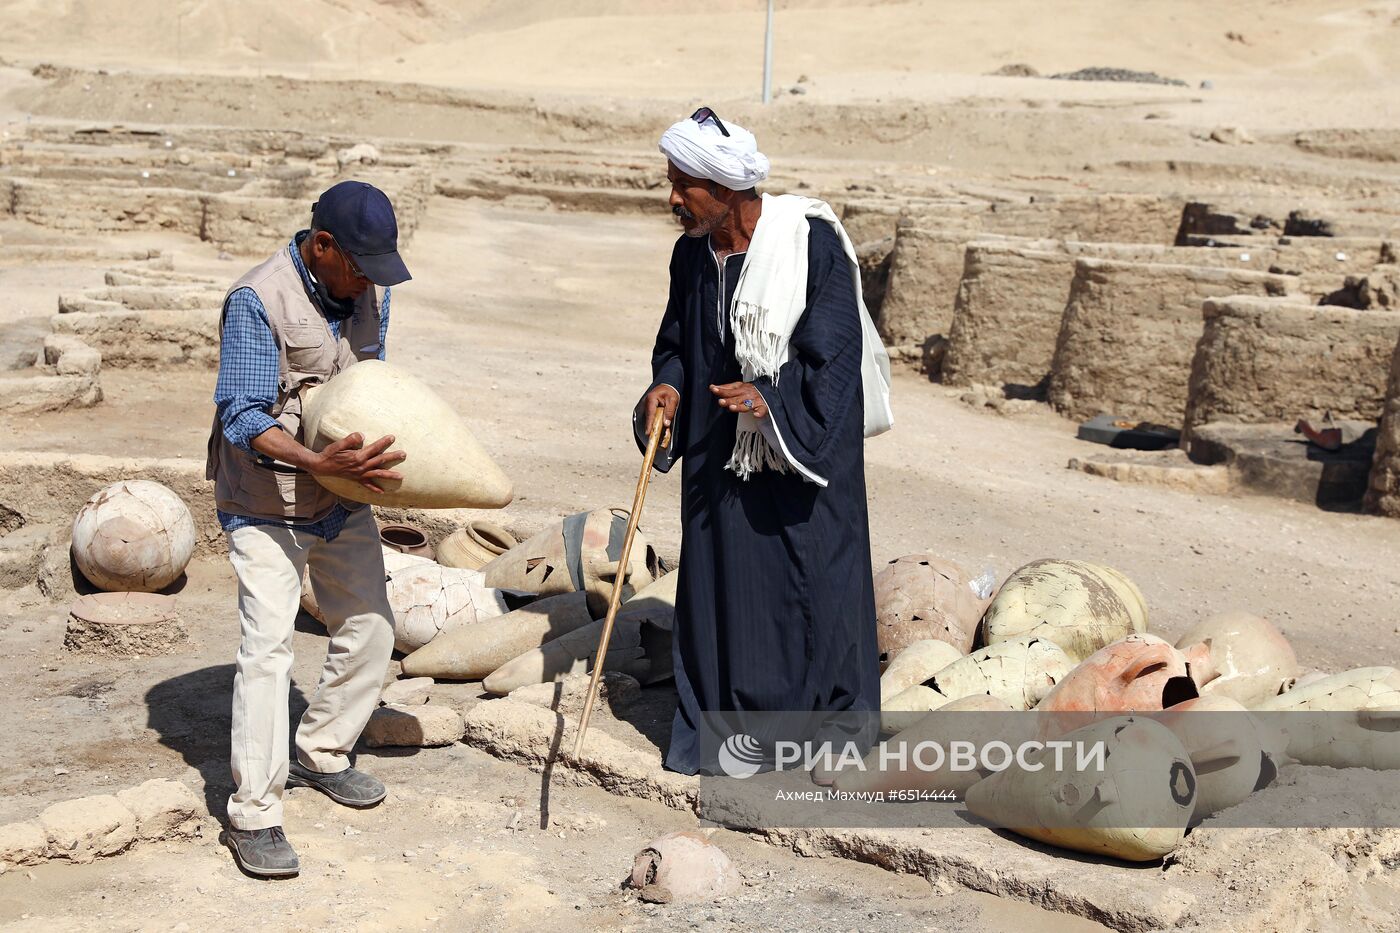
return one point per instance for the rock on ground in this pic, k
(164, 809)
(21, 844)
(414, 726)
(567, 695)
(87, 828)
(411, 692)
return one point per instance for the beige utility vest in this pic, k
(307, 354)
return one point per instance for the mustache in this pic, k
(681, 212)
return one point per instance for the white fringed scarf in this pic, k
(769, 300)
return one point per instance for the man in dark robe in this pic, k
(775, 605)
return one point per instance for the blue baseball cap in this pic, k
(361, 219)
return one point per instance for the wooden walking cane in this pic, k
(654, 440)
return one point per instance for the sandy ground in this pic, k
(517, 316)
(538, 324)
(548, 355)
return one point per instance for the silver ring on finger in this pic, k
(748, 403)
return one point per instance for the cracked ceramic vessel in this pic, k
(577, 553)
(472, 652)
(906, 761)
(1233, 752)
(683, 868)
(915, 664)
(1139, 672)
(1346, 720)
(426, 597)
(133, 536)
(1018, 673)
(1251, 658)
(1078, 605)
(1021, 672)
(446, 466)
(640, 646)
(1136, 807)
(921, 596)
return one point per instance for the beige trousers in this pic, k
(348, 577)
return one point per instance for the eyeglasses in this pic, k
(354, 269)
(705, 113)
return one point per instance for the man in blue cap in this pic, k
(305, 314)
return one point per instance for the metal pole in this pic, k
(768, 57)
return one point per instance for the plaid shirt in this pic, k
(247, 386)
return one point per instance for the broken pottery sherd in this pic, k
(580, 552)
(683, 868)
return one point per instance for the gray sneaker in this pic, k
(263, 852)
(349, 787)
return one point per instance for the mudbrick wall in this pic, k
(1274, 360)
(1007, 316)
(1383, 495)
(1129, 333)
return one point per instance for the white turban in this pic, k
(702, 151)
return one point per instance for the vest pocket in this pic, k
(305, 349)
(303, 336)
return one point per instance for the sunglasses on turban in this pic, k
(705, 113)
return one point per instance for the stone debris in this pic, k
(88, 828)
(1016, 70)
(566, 695)
(422, 726)
(1231, 136)
(410, 692)
(358, 154)
(1171, 469)
(1117, 74)
(164, 809)
(22, 844)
